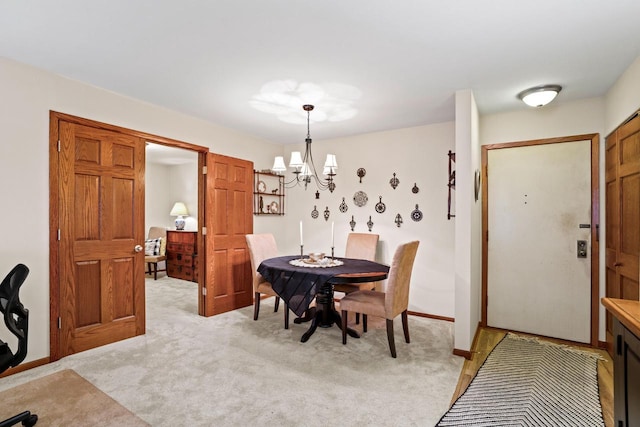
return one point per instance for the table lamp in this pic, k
(179, 210)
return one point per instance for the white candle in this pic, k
(332, 235)
(301, 243)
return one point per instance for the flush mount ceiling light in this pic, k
(539, 96)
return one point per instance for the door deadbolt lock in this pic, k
(582, 248)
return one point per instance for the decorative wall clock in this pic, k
(416, 214)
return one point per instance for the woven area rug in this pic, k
(66, 399)
(530, 382)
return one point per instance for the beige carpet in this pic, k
(66, 399)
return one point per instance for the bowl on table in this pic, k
(316, 256)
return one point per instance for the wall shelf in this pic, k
(268, 193)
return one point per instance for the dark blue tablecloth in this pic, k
(297, 286)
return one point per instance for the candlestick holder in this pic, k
(331, 252)
(301, 251)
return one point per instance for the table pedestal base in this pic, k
(323, 315)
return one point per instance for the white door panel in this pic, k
(537, 198)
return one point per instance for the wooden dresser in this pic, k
(182, 255)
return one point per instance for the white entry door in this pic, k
(538, 197)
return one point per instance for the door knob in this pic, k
(138, 248)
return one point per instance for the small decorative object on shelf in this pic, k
(394, 181)
(380, 207)
(326, 213)
(415, 188)
(416, 214)
(314, 212)
(361, 173)
(360, 198)
(268, 201)
(452, 182)
(343, 206)
(370, 223)
(352, 223)
(398, 220)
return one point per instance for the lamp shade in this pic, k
(179, 209)
(539, 96)
(296, 160)
(278, 165)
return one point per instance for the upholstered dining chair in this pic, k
(388, 304)
(359, 246)
(155, 250)
(261, 247)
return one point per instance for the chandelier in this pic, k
(304, 168)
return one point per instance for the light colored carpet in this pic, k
(229, 370)
(530, 382)
(65, 399)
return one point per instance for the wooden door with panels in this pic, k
(622, 176)
(100, 222)
(228, 204)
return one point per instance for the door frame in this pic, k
(595, 220)
(54, 251)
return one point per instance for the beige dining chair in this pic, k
(153, 260)
(388, 304)
(359, 246)
(261, 247)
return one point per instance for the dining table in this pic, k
(298, 281)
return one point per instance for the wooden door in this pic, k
(228, 217)
(101, 220)
(622, 177)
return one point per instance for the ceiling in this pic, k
(389, 66)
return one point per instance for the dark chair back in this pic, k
(16, 317)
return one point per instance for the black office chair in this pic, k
(16, 317)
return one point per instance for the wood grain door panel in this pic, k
(228, 202)
(101, 220)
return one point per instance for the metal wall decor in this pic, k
(326, 213)
(380, 207)
(343, 206)
(352, 223)
(416, 214)
(314, 212)
(398, 220)
(370, 223)
(415, 188)
(361, 173)
(317, 194)
(360, 198)
(394, 181)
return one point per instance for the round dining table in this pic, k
(299, 284)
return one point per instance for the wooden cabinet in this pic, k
(626, 360)
(268, 193)
(182, 256)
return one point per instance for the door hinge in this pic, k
(204, 231)
(487, 238)
(204, 170)
(58, 146)
(58, 234)
(204, 291)
(59, 323)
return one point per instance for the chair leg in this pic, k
(405, 326)
(155, 271)
(256, 305)
(364, 323)
(357, 318)
(392, 343)
(276, 305)
(344, 327)
(286, 316)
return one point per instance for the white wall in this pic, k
(157, 201)
(27, 95)
(417, 155)
(623, 99)
(468, 246)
